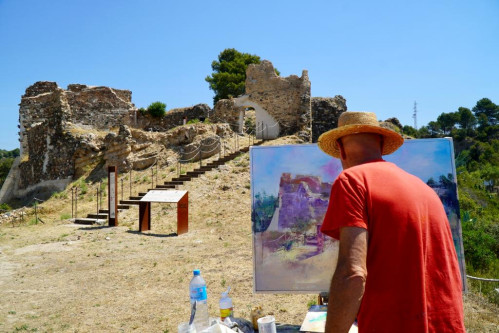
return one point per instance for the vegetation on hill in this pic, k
(475, 134)
(229, 73)
(155, 109)
(6, 159)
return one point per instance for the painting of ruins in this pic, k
(290, 195)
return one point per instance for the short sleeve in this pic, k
(347, 206)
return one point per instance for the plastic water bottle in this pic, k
(198, 295)
(226, 308)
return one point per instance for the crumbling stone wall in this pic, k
(99, 107)
(325, 113)
(50, 120)
(172, 118)
(226, 111)
(85, 106)
(52, 147)
(285, 99)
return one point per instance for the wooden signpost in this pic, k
(112, 198)
(181, 198)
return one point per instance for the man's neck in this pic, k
(354, 161)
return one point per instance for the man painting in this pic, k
(397, 267)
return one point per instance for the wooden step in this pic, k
(165, 186)
(182, 178)
(87, 221)
(97, 216)
(195, 173)
(174, 182)
(130, 202)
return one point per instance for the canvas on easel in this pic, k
(290, 188)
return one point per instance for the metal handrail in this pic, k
(481, 279)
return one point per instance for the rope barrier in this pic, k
(209, 151)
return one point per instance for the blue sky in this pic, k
(380, 55)
(424, 158)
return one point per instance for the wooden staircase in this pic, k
(102, 215)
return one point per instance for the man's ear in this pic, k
(343, 155)
(381, 143)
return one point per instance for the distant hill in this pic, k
(9, 153)
(6, 159)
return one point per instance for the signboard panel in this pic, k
(170, 196)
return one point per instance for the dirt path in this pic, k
(61, 277)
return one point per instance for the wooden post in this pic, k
(183, 215)
(76, 202)
(36, 214)
(100, 195)
(112, 196)
(97, 199)
(144, 216)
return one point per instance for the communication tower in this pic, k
(415, 115)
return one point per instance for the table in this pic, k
(181, 198)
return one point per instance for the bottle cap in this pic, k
(196, 272)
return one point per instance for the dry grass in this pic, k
(61, 277)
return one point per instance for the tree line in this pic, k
(475, 133)
(6, 159)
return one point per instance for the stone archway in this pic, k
(267, 127)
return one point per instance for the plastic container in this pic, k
(226, 308)
(198, 295)
(267, 325)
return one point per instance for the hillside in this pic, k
(61, 277)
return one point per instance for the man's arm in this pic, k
(347, 285)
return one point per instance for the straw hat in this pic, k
(353, 122)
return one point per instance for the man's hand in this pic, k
(347, 285)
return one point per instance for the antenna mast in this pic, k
(415, 115)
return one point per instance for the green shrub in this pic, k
(59, 195)
(5, 206)
(157, 109)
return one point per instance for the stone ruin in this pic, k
(282, 105)
(64, 133)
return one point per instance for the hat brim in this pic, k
(328, 141)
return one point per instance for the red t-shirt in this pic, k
(413, 280)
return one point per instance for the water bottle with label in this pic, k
(198, 295)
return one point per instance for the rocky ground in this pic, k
(61, 277)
